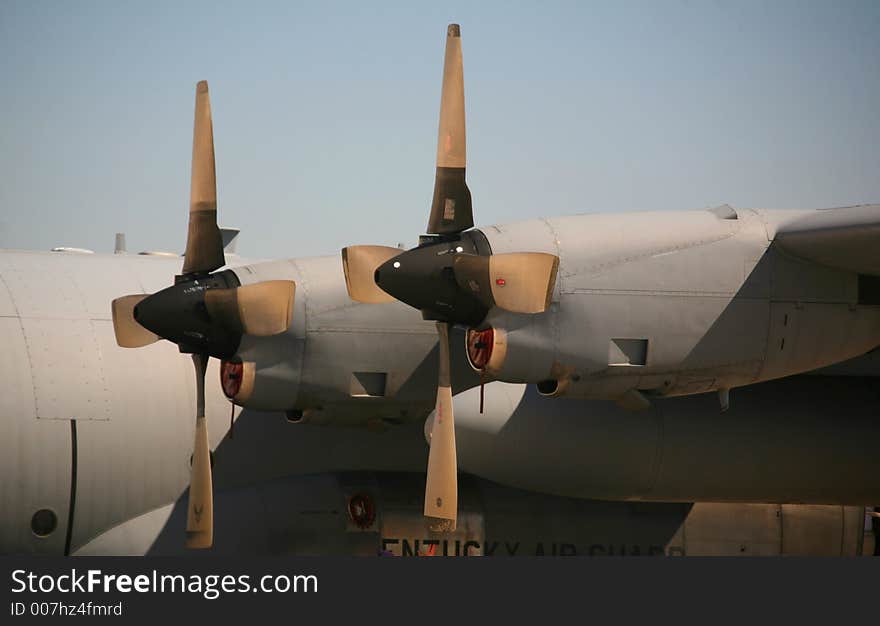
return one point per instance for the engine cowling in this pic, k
(265, 372)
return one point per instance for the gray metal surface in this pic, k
(844, 237)
(803, 439)
(711, 297)
(311, 515)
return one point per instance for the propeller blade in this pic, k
(441, 488)
(260, 309)
(451, 210)
(520, 282)
(204, 244)
(130, 334)
(523, 282)
(359, 264)
(200, 511)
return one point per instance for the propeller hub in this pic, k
(425, 279)
(179, 314)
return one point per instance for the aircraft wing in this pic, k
(846, 238)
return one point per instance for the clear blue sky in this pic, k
(325, 114)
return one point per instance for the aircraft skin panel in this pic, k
(149, 436)
(67, 369)
(41, 286)
(731, 529)
(864, 365)
(368, 514)
(689, 273)
(35, 460)
(152, 273)
(693, 345)
(796, 280)
(7, 306)
(611, 255)
(60, 285)
(799, 340)
(798, 533)
(721, 529)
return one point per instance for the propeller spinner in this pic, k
(204, 313)
(451, 277)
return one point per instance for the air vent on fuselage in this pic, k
(627, 351)
(368, 384)
(724, 212)
(869, 289)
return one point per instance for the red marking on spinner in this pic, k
(500, 282)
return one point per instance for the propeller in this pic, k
(451, 277)
(130, 334)
(441, 484)
(204, 313)
(200, 509)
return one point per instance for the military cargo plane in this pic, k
(594, 376)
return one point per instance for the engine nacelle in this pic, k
(265, 373)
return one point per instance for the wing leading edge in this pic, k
(847, 238)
